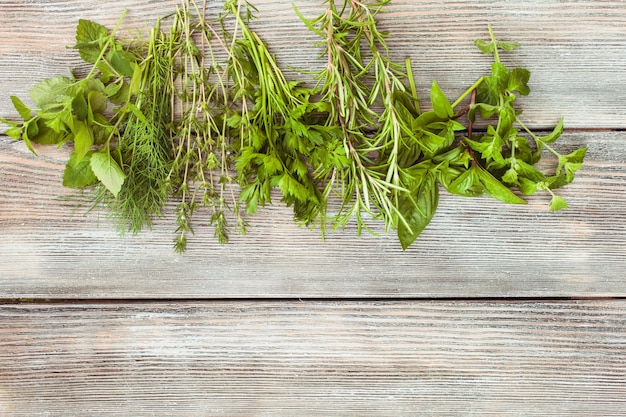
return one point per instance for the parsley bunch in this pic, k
(202, 109)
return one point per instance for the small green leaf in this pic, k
(49, 92)
(494, 86)
(107, 171)
(21, 108)
(526, 186)
(46, 135)
(518, 81)
(137, 113)
(508, 46)
(83, 139)
(496, 189)
(441, 105)
(90, 38)
(571, 163)
(484, 47)
(79, 106)
(418, 211)
(511, 177)
(78, 172)
(136, 79)
(467, 184)
(558, 203)
(122, 95)
(97, 102)
(556, 133)
(14, 132)
(121, 62)
(111, 89)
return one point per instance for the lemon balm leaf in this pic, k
(107, 171)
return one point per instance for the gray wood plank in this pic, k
(573, 48)
(314, 358)
(473, 247)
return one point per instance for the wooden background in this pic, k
(495, 311)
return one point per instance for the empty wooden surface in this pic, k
(428, 358)
(496, 310)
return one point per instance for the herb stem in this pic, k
(468, 92)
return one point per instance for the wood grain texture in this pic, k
(565, 358)
(473, 247)
(575, 49)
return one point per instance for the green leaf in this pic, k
(21, 108)
(496, 189)
(489, 145)
(97, 102)
(494, 86)
(50, 93)
(556, 133)
(526, 186)
(418, 211)
(271, 164)
(14, 132)
(136, 79)
(441, 105)
(46, 135)
(122, 95)
(78, 172)
(79, 106)
(485, 110)
(26, 139)
(484, 47)
(571, 163)
(511, 177)
(518, 81)
(467, 184)
(121, 62)
(83, 139)
(508, 46)
(558, 203)
(90, 38)
(107, 171)
(111, 89)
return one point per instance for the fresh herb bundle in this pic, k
(197, 110)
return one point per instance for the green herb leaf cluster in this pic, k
(203, 113)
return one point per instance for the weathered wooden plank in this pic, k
(574, 48)
(314, 358)
(473, 247)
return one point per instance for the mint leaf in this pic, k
(507, 46)
(518, 81)
(21, 108)
(90, 37)
(14, 132)
(484, 47)
(121, 62)
(51, 93)
(556, 133)
(83, 139)
(78, 172)
(571, 163)
(494, 86)
(107, 171)
(558, 203)
(79, 106)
